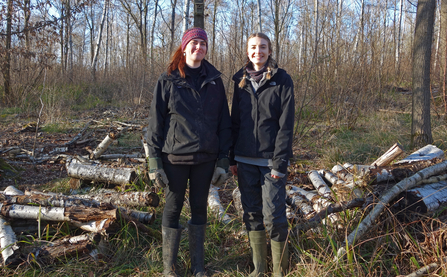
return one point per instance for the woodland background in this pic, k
(367, 74)
(342, 55)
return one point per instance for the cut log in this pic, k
(389, 156)
(318, 203)
(7, 242)
(102, 147)
(319, 184)
(129, 198)
(145, 146)
(215, 205)
(64, 248)
(140, 216)
(345, 190)
(428, 152)
(237, 201)
(297, 201)
(56, 213)
(424, 199)
(121, 176)
(385, 199)
(11, 190)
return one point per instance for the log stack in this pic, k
(94, 214)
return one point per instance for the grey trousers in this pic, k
(264, 200)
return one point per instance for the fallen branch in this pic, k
(316, 220)
(385, 199)
(78, 136)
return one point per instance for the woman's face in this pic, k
(258, 51)
(195, 52)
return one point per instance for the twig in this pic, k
(40, 113)
(426, 269)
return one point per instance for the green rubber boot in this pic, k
(280, 258)
(171, 242)
(196, 249)
(258, 244)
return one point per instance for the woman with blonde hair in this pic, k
(189, 135)
(262, 114)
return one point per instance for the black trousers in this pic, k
(264, 200)
(199, 177)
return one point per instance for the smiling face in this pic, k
(195, 52)
(258, 51)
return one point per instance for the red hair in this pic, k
(178, 61)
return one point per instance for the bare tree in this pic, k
(423, 34)
(98, 41)
(185, 15)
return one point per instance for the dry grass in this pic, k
(398, 244)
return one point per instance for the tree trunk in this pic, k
(259, 16)
(443, 51)
(185, 16)
(7, 62)
(172, 28)
(421, 123)
(199, 16)
(98, 41)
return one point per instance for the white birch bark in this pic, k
(128, 199)
(216, 206)
(185, 16)
(427, 198)
(259, 16)
(319, 184)
(300, 202)
(7, 240)
(11, 190)
(98, 40)
(318, 203)
(119, 176)
(102, 147)
(427, 152)
(385, 199)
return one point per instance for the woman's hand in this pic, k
(233, 169)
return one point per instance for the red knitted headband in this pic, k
(193, 33)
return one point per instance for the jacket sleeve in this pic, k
(157, 119)
(284, 138)
(235, 122)
(224, 126)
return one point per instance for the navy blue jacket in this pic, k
(263, 121)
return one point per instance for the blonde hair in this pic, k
(269, 66)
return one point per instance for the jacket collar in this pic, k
(211, 74)
(238, 76)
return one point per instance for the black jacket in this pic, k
(184, 121)
(263, 121)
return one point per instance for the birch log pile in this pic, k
(93, 214)
(386, 198)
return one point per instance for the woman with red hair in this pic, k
(189, 136)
